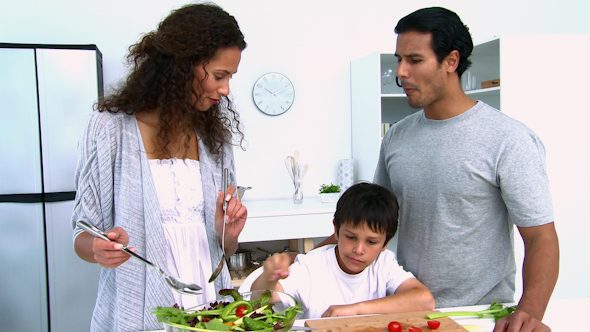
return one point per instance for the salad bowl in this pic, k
(259, 311)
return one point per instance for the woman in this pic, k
(150, 170)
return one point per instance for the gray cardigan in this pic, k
(114, 187)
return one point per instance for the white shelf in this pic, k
(491, 92)
(488, 91)
(281, 219)
(393, 95)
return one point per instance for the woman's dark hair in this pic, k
(448, 33)
(368, 204)
(162, 76)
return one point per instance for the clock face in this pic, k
(273, 94)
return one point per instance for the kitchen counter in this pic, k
(561, 316)
(281, 219)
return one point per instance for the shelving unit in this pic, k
(376, 100)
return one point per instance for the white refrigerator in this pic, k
(46, 95)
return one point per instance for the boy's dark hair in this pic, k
(447, 30)
(370, 204)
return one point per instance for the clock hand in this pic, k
(276, 93)
(269, 91)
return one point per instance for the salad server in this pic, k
(177, 285)
(220, 266)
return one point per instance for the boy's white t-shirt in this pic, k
(316, 280)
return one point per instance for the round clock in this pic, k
(273, 93)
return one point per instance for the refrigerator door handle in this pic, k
(39, 198)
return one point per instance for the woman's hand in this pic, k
(234, 221)
(108, 254)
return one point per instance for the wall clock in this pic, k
(273, 94)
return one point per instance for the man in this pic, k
(463, 174)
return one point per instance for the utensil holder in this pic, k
(298, 195)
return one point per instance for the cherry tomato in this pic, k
(206, 319)
(433, 324)
(240, 310)
(394, 327)
(414, 329)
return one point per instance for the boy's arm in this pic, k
(411, 295)
(275, 267)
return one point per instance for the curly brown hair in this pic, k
(162, 77)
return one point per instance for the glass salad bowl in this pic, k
(260, 311)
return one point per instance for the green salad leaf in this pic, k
(221, 316)
(495, 310)
(231, 292)
(256, 325)
(216, 324)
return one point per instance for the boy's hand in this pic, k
(341, 310)
(277, 267)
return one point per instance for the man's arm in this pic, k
(411, 295)
(329, 240)
(539, 275)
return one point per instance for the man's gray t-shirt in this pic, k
(461, 184)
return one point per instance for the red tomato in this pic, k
(414, 329)
(206, 319)
(394, 327)
(240, 310)
(433, 324)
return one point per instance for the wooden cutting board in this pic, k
(378, 323)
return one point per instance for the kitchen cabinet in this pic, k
(377, 100)
(281, 219)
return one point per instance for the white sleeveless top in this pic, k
(180, 194)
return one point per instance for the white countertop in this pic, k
(286, 207)
(281, 219)
(561, 316)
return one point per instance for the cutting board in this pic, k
(378, 323)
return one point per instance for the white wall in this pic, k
(312, 42)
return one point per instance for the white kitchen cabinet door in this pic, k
(366, 114)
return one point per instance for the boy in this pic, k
(358, 275)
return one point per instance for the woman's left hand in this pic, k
(234, 221)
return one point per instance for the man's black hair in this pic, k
(447, 30)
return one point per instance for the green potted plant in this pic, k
(329, 193)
